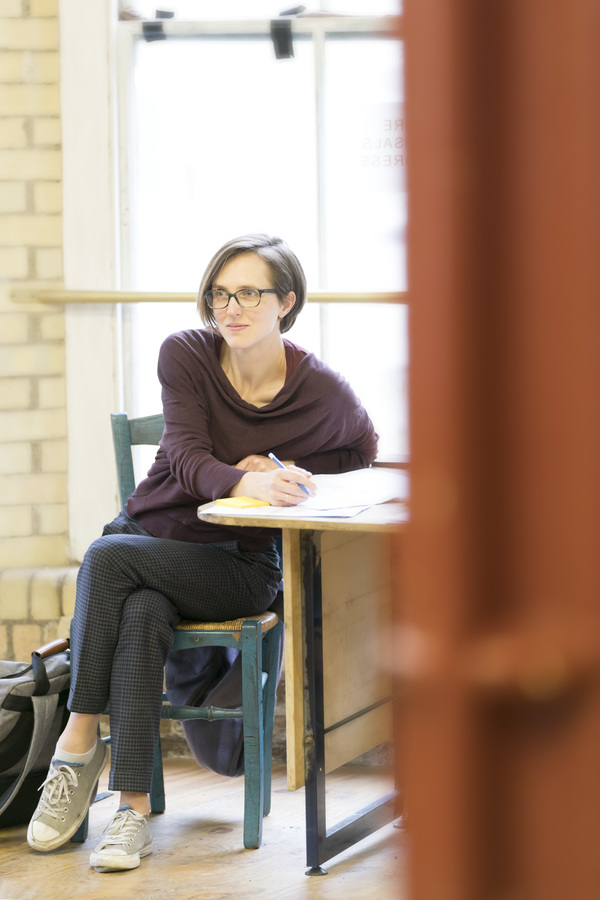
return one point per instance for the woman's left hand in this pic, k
(256, 463)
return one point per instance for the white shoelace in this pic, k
(124, 827)
(57, 787)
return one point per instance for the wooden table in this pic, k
(337, 576)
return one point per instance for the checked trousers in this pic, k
(132, 590)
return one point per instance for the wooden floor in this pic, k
(199, 854)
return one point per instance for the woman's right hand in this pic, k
(279, 487)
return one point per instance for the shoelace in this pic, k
(123, 828)
(56, 788)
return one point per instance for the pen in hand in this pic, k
(281, 466)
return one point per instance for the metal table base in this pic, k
(323, 843)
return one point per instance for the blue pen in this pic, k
(281, 466)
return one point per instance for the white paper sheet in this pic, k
(343, 496)
(362, 487)
(276, 512)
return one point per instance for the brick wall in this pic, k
(36, 582)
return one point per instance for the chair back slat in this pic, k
(127, 433)
(147, 429)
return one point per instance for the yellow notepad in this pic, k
(241, 502)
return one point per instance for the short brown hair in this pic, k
(286, 273)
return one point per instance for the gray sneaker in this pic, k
(125, 841)
(66, 796)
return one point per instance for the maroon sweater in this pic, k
(315, 419)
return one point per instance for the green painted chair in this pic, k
(258, 639)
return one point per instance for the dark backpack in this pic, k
(33, 713)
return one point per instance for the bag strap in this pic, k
(42, 683)
(44, 710)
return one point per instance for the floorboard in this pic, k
(199, 853)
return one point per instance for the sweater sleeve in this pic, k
(331, 462)
(186, 439)
(349, 440)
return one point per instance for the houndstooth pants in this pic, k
(132, 590)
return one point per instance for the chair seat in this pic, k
(267, 619)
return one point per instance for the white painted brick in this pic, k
(30, 164)
(30, 34)
(68, 592)
(15, 393)
(41, 8)
(29, 67)
(48, 263)
(11, 9)
(15, 459)
(47, 197)
(32, 359)
(14, 592)
(14, 262)
(14, 328)
(16, 521)
(52, 326)
(26, 639)
(30, 100)
(32, 425)
(31, 231)
(52, 393)
(11, 65)
(50, 631)
(35, 487)
(45, 601)
(63, 628)
(12, 133)
(41, 67)
(40, 550)
(4, 642)
(46, 132)
(54, 456)
(13, 197)
(53, 519)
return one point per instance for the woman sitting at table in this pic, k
(232, 392)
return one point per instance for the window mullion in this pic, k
(319, 58)
(125, 64)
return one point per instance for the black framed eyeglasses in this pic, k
(246, 297)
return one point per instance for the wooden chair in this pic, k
(257, 638)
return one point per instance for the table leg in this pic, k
(314, 714)
(322, 844)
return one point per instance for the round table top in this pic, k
(383, 517)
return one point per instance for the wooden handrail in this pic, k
(61, 295)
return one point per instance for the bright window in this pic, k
(222, 139)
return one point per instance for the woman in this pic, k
(231, 393)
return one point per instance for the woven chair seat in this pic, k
(267, 619)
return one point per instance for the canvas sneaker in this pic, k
(66, 796)
(125, 841)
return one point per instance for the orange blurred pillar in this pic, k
(501, 639)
